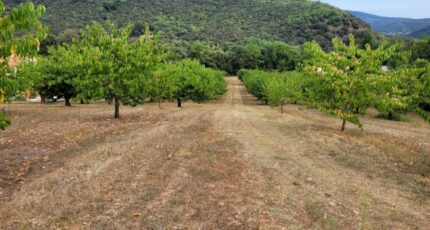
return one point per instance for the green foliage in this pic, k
(20, 35)
(349, 80)
(4, 121)
(55, 75)
(424, 93)
(276, 88)
(423, 32)
(218, 21)
(107, 64)
(421, 49)
(285, 88)
(252, 54)
(394, 25)
(21, 30)
(346, 81)
(255, 82)
(111, 5)
(188, 79)
(263, 54)
(397, 92)
(114, 67)
(425, 115)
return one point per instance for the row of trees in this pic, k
(254, 53)
(187, 80)
(105, 64)
(346, 81)
(275, 88)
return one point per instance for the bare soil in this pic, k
(229, 164)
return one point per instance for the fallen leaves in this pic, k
(136, 214)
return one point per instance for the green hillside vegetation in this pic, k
(421, 33)
(393, 25)
(294, 21)
(252, 54)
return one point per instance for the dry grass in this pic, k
(232, 164)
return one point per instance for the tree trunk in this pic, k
(179, 102)
(42, 99)
(116, 107)
(282, 107)
(82, 102)
(343, 125)
(390, 116)
(67, 99)
(159, 103)
(347, 107)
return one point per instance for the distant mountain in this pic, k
(393, 25)
(293, 21)
(421, 33)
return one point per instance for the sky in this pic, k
(391, 8)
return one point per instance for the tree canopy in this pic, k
(20, 36)
(117, 68)
(350, 79)
(346, 81)
(188, 79)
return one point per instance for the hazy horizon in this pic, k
(395, 8)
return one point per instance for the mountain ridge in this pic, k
(394, 25)
(421, 33)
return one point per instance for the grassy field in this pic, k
(230, 164)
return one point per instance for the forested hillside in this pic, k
(393, 25)
(294, 21)
(421, 33)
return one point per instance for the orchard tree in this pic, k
(117, 68)
(397, 91)
(276, 92)
(345, 77)
(190, 80)
(20, 35)
(147, 56)
(55, 75)
(284, 88)
(162, 82)
(423, 100)
(176, 82)
(424, 78)
(255, 81)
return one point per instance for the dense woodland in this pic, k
(422, 32)
(129, 64)
(407, 27)
(295, 21)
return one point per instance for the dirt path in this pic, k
(234, 164)
(308, 174)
